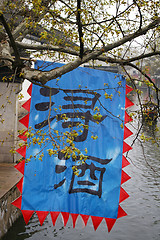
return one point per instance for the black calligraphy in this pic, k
(77, 106)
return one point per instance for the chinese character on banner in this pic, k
(68, 105)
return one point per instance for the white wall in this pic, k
(8, 119)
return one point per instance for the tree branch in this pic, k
(131, 36)
(142, 56)
(150, 80)
(80, 28)
(44, 77)
(129, 60)
(110, 19)
(19, 29)
(140, 14)
(38, 47)
(12, 42)
(144, 74)
(73, 52)
(119, 27)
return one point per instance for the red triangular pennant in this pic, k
(42, 216)
(22, 151)
(127, 132)
(54, 216)
(23, 136)
(123, 195)
(125, 162)
(25, 120)
(124, 177)
(128, 89)
(17, 203)
(110, 223)
(27, 214)
(74, 218)
(85, 218)
(126, 147)
(20, 166)
(65, 216)
(127, 118)
(121, 212)
(20, 185)
(128, 103)
(27, 105)
(96, 221)
(29, 90)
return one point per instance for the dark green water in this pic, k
(143, 207)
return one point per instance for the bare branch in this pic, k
(129, 60)
(19, 29)
(110, 19)
(150, 80)
(142, 56)
(73, 52)
(144, 74)
(99, 37)
(131, 36)
(140, 14)
(43, 77)
(12, 42)
(47, 47)
(119, 27)
(80, 28)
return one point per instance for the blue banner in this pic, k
(88, 97)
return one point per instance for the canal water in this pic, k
(142, 207)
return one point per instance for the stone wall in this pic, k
(8, 119)
(8, 212)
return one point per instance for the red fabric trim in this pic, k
(127, 132)
(29, 91)
(124, 177)
(127, 118)
(96, 221)
(27, 105)
(128, 103)
(123, 195)
(27, 214)
(22, 136)
(42, 216)
(74, 218)
(128, 89)
(110, 223)
(20, 185)
(18, 202)
(25, 120)
(121, 212)
(126, 147)
(125, 162)
(20, 166)
(54, 216)
(22, 151)
(85, 218)
(65, 216)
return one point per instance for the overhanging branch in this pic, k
(79, 24)
(46, 47)
(12, 42)
(73, 52)
(144, 74)
(44, 77)
(140, 14)
(157, 90)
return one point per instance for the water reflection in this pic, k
(143, 206)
